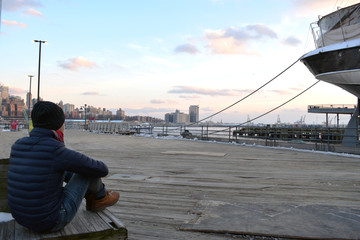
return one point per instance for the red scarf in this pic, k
(58, 135)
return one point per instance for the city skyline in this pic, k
(12, 106)
(154, 57)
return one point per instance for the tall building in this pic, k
(14, 106)
(169, 118)
(194, 113)
(4, 92)
(11, 106)
(61, 104)
(68, 108)
(120, 114)
(177, 117)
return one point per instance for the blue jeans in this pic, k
(74, 191)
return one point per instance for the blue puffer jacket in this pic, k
(35, 175)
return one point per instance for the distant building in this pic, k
(194, 113)
(11, 106)
(14, 106)
(3, 111)
(68, 108)
(69, 111)
(169, 117)
(61, 104)
(107, 114)
(120, 114)
(4, 92)
(177, 117)
(139, 118)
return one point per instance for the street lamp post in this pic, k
(40, 42)
(85, 115)
(30, 76)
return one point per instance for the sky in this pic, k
(153, 57)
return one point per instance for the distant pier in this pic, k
(332, 109)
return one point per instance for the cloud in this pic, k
(157, 101)
(206, 91)
(186, 48)
(33, 12)
(260, 30)
(236, 40)
(16, 5)
(192, 97)
(75, 63)
(291, 41)
(90, 93)
(13, 23)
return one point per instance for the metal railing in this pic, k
(302, 137)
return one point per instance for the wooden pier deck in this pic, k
(85, 225)
(184, 189)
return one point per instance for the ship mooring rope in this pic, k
(248, 121)
(226, 108)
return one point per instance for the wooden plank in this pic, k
(7, 230)
(112, 219)
(108, 217)
(24, 233)
(89, 225)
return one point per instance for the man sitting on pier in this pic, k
(39, 166)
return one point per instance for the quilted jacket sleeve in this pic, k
(73, 161)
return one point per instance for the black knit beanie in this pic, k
(47, 115)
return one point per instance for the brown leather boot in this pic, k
(98, 205)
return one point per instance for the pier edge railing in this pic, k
(301, 137)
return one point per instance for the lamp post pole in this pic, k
(30, 76)
(40, 42)
(84, 115)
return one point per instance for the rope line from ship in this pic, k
(248, 121)
(242, 99)
(245, 97)
(253, 92)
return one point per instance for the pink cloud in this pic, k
(33, 12)
(186, 48)
(13, 23)
(236, 40)
(75, 63)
